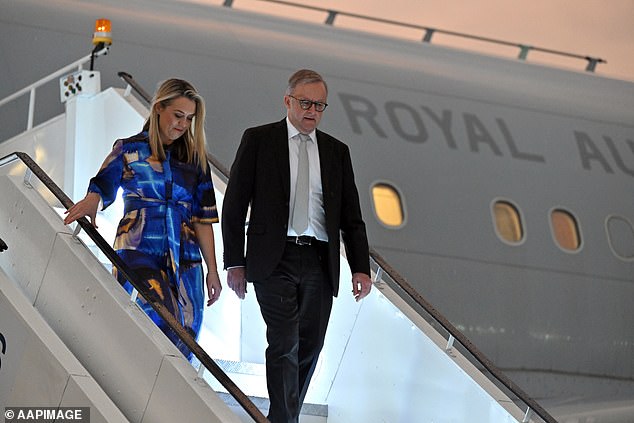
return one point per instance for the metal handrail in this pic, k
(430, 31)
(400, 283)
(403, 285)
(78, 64)
(135, 85)
(31, 88)
(134, 279)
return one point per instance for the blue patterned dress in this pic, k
(156, 237)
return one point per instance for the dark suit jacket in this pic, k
(260, 176)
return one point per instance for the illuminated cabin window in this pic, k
(508, 223)
(565, 230)
(621, 237)
(388, 205)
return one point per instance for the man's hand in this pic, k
(236, 281)
(361, 285)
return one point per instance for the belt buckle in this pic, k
(300, 241)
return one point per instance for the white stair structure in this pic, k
(136, 366)
(34, 350)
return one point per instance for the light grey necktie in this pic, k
(299, 221)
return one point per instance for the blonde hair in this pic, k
(190, 147)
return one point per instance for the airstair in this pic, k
(72, 337)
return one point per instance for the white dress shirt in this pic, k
(316, 215)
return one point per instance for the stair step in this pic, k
(251, 378)
(314, 410)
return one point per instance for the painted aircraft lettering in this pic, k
(409, 124)
(590, 153)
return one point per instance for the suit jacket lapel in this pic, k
(325, 163)
(280, 147)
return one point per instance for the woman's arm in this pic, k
(205, 235)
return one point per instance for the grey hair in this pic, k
(304, 76)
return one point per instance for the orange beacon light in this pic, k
(101, 39)
(103, 32)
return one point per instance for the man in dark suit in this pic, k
(300, 185)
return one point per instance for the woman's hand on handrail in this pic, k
(86, 207)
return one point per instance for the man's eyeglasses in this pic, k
(305, 104)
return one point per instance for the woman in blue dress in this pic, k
(169, 207)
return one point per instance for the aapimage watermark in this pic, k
(46, 414)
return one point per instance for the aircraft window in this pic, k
(388, 206)
(565, 230)
(508, 223)
(621, 237)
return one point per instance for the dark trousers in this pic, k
(295, 302)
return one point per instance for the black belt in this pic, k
(303, 240)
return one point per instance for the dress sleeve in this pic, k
(108, 179)
(204, 202)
